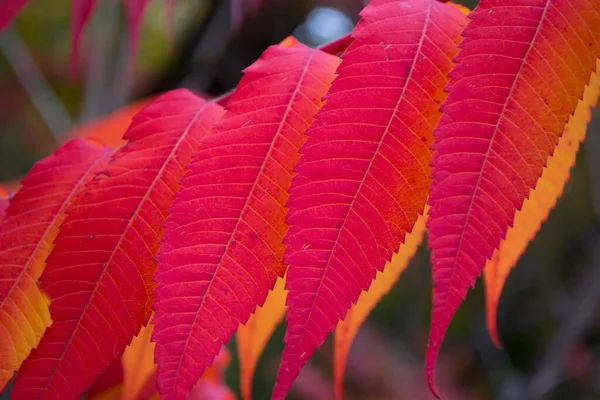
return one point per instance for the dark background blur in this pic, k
(549, 315)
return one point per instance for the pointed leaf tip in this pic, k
(234, 229)
(347, 329)
(365, 165)
(510, 95)
(255, 334)
(537, 207)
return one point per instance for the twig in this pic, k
(40, 92)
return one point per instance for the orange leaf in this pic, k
(211, 386)
(110, 129)
(138, 363)
(26, 234)
(346, 330)
(254, 335)
(541, 201)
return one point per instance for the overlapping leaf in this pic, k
(347, 329)
(519, 74)
(539, 204)
(363, 177)
(9, 10)
(253, 336)
(26, 234)
(222, 250)
(110, 381)
(99, 276)
(138, 363)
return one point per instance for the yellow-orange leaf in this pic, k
(347, 329)
(541, 201)
(253, 337)
(138, 363)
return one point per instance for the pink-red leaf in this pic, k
(26, 234)
(222, 250)
(347, 329)
(99, 276)
(520, 72)
(9, 10)
(541, 201)
(363, 177)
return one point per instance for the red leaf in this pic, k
(364, 173)
(99, 276)
(519, 75)
(222, 250)
(26, 234)
(4, 201)
(109, 380)
(9, 10)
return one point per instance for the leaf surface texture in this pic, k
(347, 329)
(537, 207)
(26, 234)
(222, 250)
(363, 177)
(99, 276)
(521, 70)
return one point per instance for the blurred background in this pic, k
(549, 314)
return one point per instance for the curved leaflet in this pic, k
(537, 207)
(521, 70)
(99, 276)
(222, 250)
(26, 233)
(363, 177)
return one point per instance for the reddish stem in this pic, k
(335, 47)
